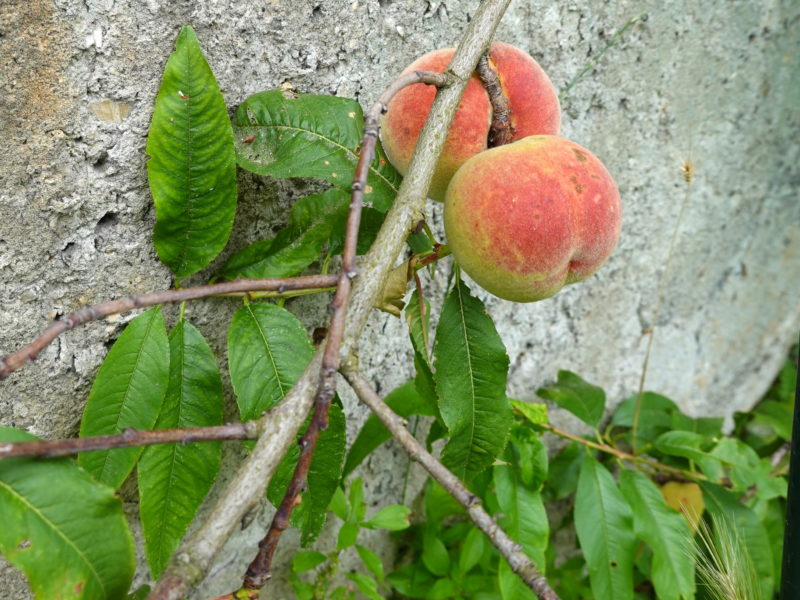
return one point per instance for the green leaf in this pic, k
(582, 399)
(442, 589)
(295, 247)
(405, 401)
(471, 550)
(338, 505)
(141, 593)
(528, 455)
(127, 392)
(65, 530)
(604, 523)
(372, 561)
(746, 526)
(655, 416)
(366, 585)
(192, 166)
(393, 517)
(471, 371)
(534, 413)
(511, 586)
(324, 476)
(666, 532)
(439, 504)
(524, 517)
(709, 427)
(690, 445)
(425, 384)
(434, 553)
(305, 561)
(175, 478)
(418, 321)
(284, 134)
(358, 508)
(412, 580)
(347, 535)
(563, 471)
(268, 348)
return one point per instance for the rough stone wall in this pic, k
(714, 85)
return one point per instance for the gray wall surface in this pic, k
(714, 84)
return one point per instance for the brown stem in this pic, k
(519, 562)
(259, 571)
(680, 474)
(501, 130)
(129, 437)
(25, 355)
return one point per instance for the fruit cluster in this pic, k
(523, 219)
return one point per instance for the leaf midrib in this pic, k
(269, 351)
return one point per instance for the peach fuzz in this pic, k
(532, 99)
(527, 218)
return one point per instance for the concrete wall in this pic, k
(714, 85)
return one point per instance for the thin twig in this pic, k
(501, 130)
(259, 571)
(129, 437)
(680, 474)
(25, 355)
(281, 424)
(519, 562)
(637, 409)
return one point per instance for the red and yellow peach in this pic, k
(527, 218)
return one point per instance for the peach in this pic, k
(532, 99)
(527, 218)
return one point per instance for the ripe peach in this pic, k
(531, 97)
(527, 218)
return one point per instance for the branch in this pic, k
(25, 355)
(281, 424)
(129, 437)
(501, 131)
(519, 562)
(260, 569)
(679, 474)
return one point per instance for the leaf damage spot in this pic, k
(24, 544)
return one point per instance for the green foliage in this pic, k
(286, 134)
(582, 399)
(319, 569)
(128, 392)
(52, 513)
(192, 166)
(316, 222)
(174, 479)
(665, 531)
(268, 348)
(471, 370)
(604, 523)
(324, 476)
